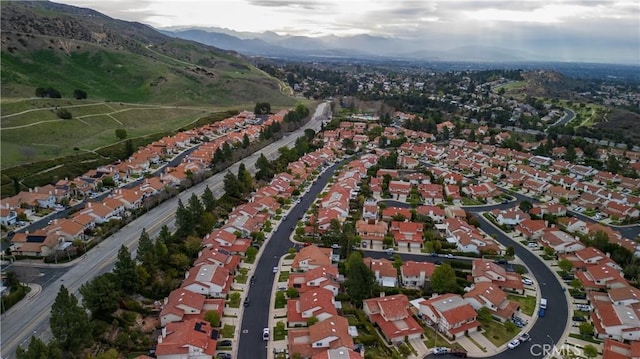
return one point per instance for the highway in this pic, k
(32, 318)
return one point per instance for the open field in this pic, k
(37, 135)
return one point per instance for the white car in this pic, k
(265, 334)
(275, 269)
(449, 255)
(584, 307)
(527, 281)
(513, 344)
(440, 351)
(532, 245)
(579, 209)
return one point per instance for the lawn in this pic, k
(279, 332)
(527, 304)
(234, 300)
(241, 277)
(497, 333)
(434, 340)
(283, 277)
(227, 331)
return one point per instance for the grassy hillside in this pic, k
(52, 45)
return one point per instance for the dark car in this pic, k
(568, 277)
(225, 343)
(578, 318)
(223, 356)
(458, 353)
(500, 261)
(437, 263)
(246, 302)
(580, 295)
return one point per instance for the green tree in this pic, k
(360, 279)
(64, 114)
(79, 94)
(208, 199)
(232, 187)
(69, 322)
(192, 246)
(101, 295)
(525, 206)
(125, 271)
(145, 247)
(251, 254)
(484, 315)
(37, 349)
(590, 351)
(310, 134)
(121, 133)
(262, 108)
(129, 148)
(245, 179)
(565, 264)
(213, 317)
(245, 141)
(443, 279)
(510, 252)
(312, 320)
(185, 223)
(586, 328)
(292, 293)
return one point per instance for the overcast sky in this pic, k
(571, 30)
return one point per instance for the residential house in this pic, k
(490, 296)
(39, 243)
(597, 277)
(8, 217)
(188, 339)
(490, 272)
(208, 279)
(321, 277)
(399, 190)
(614, 349)
(449, 314)
(311, 257)
(182, 304)
(386, 275)
(331, 333)
(318, 303)
(560, 241)
(531, 229)
(390, 213)
(510, 216)
(371, 233)
(393, 316)
(407, 234)
(416, 274)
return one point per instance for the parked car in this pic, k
(532, 245)
(541, 312)
(500, 261)
(527, 281)
(223, 356)
(247, 301)
(525, 337)
(513, 344)
(440, 351)
(434, 254)
(449, 256)
(579, 295)
(578, 318)
(225, 343)
(275, 269)
(458, 353)
(584, 307)
(568, 277)
(265, 334)
(364, 244)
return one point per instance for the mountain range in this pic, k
(271, 44)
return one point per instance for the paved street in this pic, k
(16, 330)
(256, 316)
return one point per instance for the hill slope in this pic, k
(45, 44)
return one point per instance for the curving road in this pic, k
(256, 316)
(17, 329)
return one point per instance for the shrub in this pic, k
(64, 114)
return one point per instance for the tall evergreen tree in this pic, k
(195, 209)
(70, 322)
(360, 279)
(101, 295)
(245, 179)
(443, 279)
(184, 220)
(232, 187)
(145, 246)
(37, 349)
(208, 199)
(125, 271)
